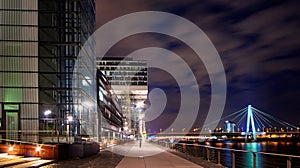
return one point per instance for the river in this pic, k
(246, 159)
(290, 148)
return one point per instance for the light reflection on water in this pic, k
(291, 148)
(246, 159)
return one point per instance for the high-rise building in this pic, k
(229, 126)
(129, 80)
(39, 43)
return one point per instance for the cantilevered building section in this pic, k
(129, 80)
(39, 44)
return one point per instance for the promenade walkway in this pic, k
(149, 156)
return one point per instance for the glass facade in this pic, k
(39, 44)
(19, 69)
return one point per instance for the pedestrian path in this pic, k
(149, 156)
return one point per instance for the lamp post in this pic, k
(46, 115)
(50, 116)
(69, 120)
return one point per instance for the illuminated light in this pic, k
(70, 118)
(30, 158)
(47, 112)
(139, 92)
(219, 144)
(273, 136)
(10, 149)
(229, 144)
(38, 149)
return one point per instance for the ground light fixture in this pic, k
(10, 149)
(38, 149)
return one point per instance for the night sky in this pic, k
(257, 41)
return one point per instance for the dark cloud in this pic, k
(257, 40)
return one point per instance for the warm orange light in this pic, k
(38, 148)
(10, 149)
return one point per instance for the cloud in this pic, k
(255, 39)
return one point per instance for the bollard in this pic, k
(207, 154)
(233, 159)
(254, 159)
(21, 153)
(288, 162)
(53, 155)
(219, 157)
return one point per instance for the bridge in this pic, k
(247, 123)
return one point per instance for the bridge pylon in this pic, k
(250, 120)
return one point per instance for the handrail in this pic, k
(239, 150)
(216, 157)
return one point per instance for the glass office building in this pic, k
(39, 43)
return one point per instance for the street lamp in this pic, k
(46, 114)
(69, 120)
(50, 118)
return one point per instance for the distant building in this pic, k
(129, 80)
(229, 126)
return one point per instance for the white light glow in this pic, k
(38, 148)
(70, 118)
(10, 149)
(47, 112)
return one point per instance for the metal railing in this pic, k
(233, 157)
